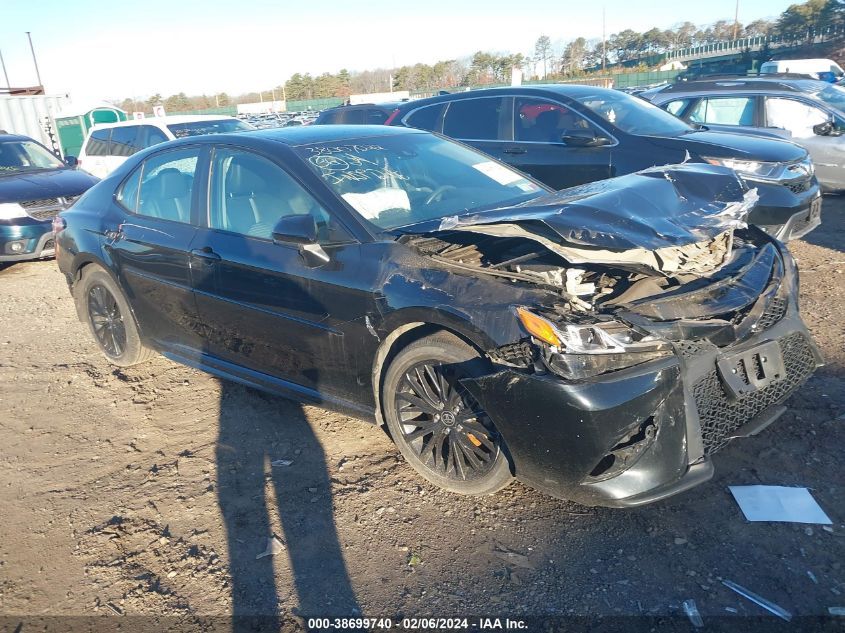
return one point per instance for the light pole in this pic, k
(736, 20)
(5, 74)
(34, 61)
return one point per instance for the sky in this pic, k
(95, 50)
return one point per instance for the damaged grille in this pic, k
(774, 312)
(800, 186)
(721, 416)
(693, 348)
(35, 204)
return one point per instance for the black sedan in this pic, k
(569, 134)
(600, 343)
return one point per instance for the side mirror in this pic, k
(301, 230)
(583, 138)
(71, 161)
(823, 129)
(296, 229)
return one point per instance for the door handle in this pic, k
(207, 253)
(114, 235)
(514, 150)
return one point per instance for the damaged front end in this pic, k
(671, 328)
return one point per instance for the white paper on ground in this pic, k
(778, 503)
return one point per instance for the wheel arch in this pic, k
(404, 332)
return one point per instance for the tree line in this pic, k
(799, 22)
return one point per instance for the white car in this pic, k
(109, 144)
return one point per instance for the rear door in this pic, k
(265, 305)
(151, 244)
(481, 122)
(538, 148)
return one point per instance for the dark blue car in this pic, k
(34, 187)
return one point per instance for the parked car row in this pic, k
(601, 343)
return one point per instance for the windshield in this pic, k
(18, 156)
(401, 180)
(632, 114)
(833, 96)
(198, 128)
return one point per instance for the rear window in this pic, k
(98, 144)
(199, 128)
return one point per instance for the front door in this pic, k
(539, 147)
(269, 306)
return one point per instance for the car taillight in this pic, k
(392, 116)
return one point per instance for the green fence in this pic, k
(227, 110)
(313, 104)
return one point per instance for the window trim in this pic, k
(205, 216)
(198, 175)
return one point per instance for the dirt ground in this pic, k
(152, 491)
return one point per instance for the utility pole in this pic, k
(34, 61)
(736, 20)
(603, 38)
(5, 74)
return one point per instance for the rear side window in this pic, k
(98, 144)
(149, 135)
(425, 118)
(329, 118)
(351, 117)
(474, 119)
(676, 107)
(375, 117)
(161, 186)
(724, 111)
(123, 141)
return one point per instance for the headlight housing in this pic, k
(11, 210)
(755, 169)
(582, 351)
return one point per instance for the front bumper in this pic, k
(661, 421)
(785, 211)
(25, 240)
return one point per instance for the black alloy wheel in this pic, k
(107, 320)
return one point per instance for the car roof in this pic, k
(566, 90)
(166, 120)
(744, 84)
(305, 135)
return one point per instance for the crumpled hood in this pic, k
(652, 209)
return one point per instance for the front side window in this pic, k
(631, 115)
(545, 121)
(214, 126)
(796, 117)
(249, 194)
(474, 119)
(724, 111)
(411, 178)
(21, 156)
(161, 186)
(98, 144)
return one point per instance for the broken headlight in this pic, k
(583, 351)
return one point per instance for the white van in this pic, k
(824, 69)
(108, 145)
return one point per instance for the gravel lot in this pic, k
(151, 491)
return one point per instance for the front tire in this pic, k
(437, 425)
(104, 308)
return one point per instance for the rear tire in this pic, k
(435, 422)
(103, 307)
